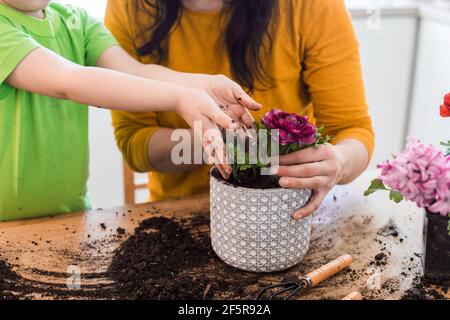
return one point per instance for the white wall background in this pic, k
(432, 81)
(106, 178)
(95, 7)
(387, 57)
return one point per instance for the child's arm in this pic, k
(49, 74)
(224, 91)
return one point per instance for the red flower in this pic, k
(445, 108)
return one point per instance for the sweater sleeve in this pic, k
(332, 72)
(133, 131)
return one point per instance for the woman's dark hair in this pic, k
(248, 34)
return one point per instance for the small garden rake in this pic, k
(287, 290)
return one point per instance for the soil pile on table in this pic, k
(427, 289)
(167, 259)
(8, 280)
(15, 287)
(170, 259)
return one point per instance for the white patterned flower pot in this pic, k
(253, 229)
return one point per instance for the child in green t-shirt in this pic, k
(54, 61)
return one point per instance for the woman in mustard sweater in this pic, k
(296, 55)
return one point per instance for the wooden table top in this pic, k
(346, 223)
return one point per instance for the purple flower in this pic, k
(421, 174)
(292, 127)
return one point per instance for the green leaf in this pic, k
(447, 145)
(260, 125)
(321, 139)
(375, 186)
(293, 147)
(396, 196)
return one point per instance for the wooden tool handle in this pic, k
(317, 276)
(355, 295)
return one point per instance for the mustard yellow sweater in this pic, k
(314, 62)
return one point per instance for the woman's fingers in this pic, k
(306, 156)
(304, 183)
(244, 99)
(226, 89)
(308, 170)
(213, 112)
(238, 112)
(312, 205)
(248, 119)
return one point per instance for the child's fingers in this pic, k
(223, 171)
(244, 99)
(213, 159)
(214, 146)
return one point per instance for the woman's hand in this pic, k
(231, 98)
(221, 102)
(196, 105)
(319, 169)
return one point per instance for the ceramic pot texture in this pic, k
(253, 229)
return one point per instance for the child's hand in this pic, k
(197, 106)
(231, 98)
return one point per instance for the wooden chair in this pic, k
(130, 185)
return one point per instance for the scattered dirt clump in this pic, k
(121, 231)
(379, 260)
(427, 289)
(8, 278)
(390, 229)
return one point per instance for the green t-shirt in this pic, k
(44, 154)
